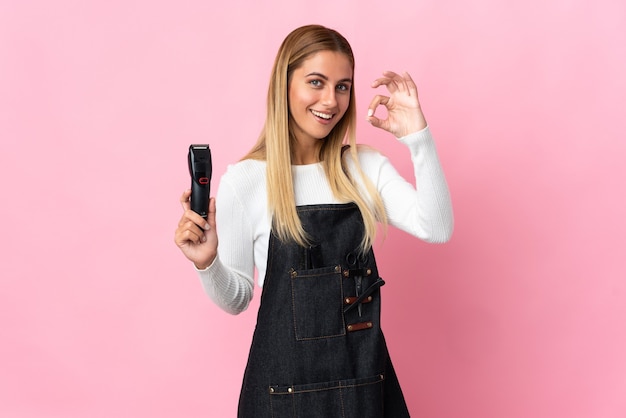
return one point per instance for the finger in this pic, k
(405, 83)
(211, 214)
(378, 100)
(184, 200)
(387, 82)
(189, 232)
(192, 227)
(412, 87)
(197, 220)
(396, 79)
(376, 122)
(393, 81)
(192, 217)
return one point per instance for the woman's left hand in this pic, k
(404, 113)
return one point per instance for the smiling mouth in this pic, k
(325, 116)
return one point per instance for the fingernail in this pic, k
(370, 112)
(207, 226)
(203, 239)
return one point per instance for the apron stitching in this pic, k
(293, 277)
(343, 412)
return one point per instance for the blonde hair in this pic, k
(275, 141)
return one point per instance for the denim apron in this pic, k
(318, 350)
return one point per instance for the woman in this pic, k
(302, 208)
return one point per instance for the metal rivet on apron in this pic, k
(290, 390)
(347, 300)
(369, 271)
(346, 273)
(349, 327)
(271, 390)
(369, 298)
(370, 325)
(382, 377)
(337, 269)
(293, 274)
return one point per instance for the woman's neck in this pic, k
(303, 154)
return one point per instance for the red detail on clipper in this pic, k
(203, 180)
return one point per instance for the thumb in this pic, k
(211, 213)
(376, 122)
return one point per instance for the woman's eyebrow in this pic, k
(320, 75)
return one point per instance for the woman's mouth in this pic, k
(322, 115)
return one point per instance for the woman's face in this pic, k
(319, 94)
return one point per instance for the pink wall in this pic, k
(521, 315)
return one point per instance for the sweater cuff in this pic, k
(415, 136)
(209, 267)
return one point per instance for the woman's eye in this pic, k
(343, 87)
(315, 83)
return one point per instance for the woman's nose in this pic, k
(328, 98)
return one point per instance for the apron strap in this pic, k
(373, 287)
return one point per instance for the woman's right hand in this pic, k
(195, 236)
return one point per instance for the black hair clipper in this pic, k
(200, 169)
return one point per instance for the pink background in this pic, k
(521, 315)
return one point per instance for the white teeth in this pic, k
(321, 115)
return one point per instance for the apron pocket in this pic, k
(317, 298)
(354, 398)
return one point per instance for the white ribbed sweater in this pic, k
(243, 221)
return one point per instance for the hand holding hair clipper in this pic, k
(195, 234)
(200, 169)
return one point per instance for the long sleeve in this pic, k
(423, 210)
(229, 280)
(229, 290)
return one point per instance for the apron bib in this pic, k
(318, 350)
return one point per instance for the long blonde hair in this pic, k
(276, 139)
